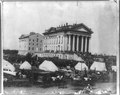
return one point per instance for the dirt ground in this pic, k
(55, 90)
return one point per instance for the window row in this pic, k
(53, 48)
(37, 40)
(53, 41)
(33, 44)
(34, 48)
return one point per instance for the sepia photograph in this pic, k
(60, 47)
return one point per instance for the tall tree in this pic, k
(88, 58)
(29, 58)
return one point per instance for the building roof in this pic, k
(24, 36)
(75, 27)
(28, 35)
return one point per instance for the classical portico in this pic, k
(75, 38)
(78, 43)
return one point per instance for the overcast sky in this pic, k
(25, 17)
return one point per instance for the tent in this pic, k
(8, 66)
(77, 58)
(114, 68)
(48, 66)
(98, 66)
(81, 66)
(25, 65)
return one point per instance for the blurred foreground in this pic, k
(67, 89)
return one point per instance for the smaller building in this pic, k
(32, 43)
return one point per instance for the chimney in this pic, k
(32, 33)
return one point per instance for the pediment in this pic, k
(75, 27)
(82, 29)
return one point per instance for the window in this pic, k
(29, 39)
(33, 40)
(37, 39)
(40, 49)
(32, 48)
(29, 48)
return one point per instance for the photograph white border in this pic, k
(117, 39)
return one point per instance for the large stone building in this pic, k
(61, 40)
(32, 43)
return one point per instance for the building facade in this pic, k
(32, 43)
(67, 38)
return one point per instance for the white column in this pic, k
(89, 49)
(60, 47)
(60, 43)
(73, 43)
(69, 42)
(81, 43)
(58, 39)
(77, 43)
(47, 44)
(88, 43)
(50, 43)
(63, 44)
(66, 39)
(55, 43)
(85, 44)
